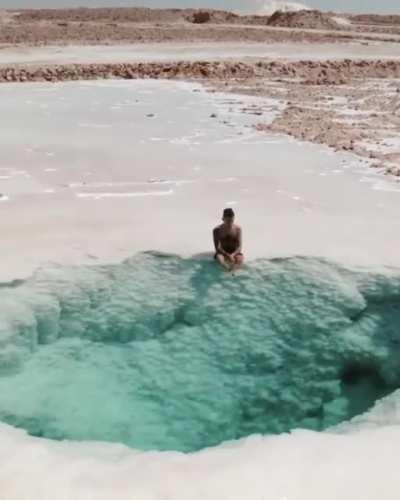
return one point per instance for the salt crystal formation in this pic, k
(166, 353)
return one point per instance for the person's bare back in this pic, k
(228, 242)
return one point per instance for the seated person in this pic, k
(228, 242)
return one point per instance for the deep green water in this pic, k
(165, 353)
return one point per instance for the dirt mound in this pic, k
(308, 19)
(210, 16)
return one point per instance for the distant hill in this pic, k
(135, 15)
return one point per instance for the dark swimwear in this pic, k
(229, 243)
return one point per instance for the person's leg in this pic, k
(239, 259)
(224, 263)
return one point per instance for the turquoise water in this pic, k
(165, 353)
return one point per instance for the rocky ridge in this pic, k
(332, 72)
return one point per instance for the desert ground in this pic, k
(338, 74)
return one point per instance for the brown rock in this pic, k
(201, 17)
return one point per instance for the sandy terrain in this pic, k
(37, 27)
(49, 32)
(360, 114)
(365, 121)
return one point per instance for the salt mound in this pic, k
(271, 6)
(309, 19)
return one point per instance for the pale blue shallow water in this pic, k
(165, 353)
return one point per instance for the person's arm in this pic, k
(217, 244)
(239, 248)
(223, 252)
(216, 239)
